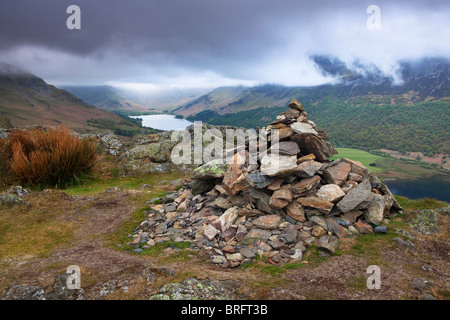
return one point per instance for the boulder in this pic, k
(355, 196)
(226, 219)
(273, 165)
(214, 169)
(301, 127)
(198, 186)
(308, 169)
(338, 173)
(375, 213)
(426, 222)
(330, 192)
(312, 143)
(284, 133)
(294, 104)
(356, 167)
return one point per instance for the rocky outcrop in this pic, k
(278, 207)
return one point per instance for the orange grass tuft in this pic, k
(51, 157)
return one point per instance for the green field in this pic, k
(364, 157)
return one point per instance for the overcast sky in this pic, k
(208, 43)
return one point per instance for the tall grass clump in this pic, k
(50, 157)
(6, 174)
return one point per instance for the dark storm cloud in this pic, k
(195, 41)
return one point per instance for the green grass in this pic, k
(95, 186)
(381, 164)
(420, 204)
(366, 158)
(158, 248)
(357, 283)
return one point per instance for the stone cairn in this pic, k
(237, 211)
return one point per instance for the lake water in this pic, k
(163, 122)
(430, 187)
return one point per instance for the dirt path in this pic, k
(109, 272)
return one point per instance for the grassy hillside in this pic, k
(388, 167)
(365, 122)
(27, 100)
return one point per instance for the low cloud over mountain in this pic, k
(199, 43)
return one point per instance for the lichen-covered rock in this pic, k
(194, 289)
(9, 200)
(426, 222)
(214, 169)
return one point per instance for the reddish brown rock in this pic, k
(229, 233)
(234, 179)
(292, 114)
(312, 143)
(356, 166)
(338, 173)
(276, 184)
(281, 198)
(301, 118)
(284, 133)
(284, 193)
(314, 202)
(268, 222)
(295, 211)
(294, 104)
(305, 184)
(363, 227)
(353, 215)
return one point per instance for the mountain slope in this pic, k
(115, 98)
(104, 97)
(364, 110)
(28, 100)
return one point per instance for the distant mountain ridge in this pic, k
(115, 98)
(104, 97)
(422, 79)
(26, 99)
(365, 110)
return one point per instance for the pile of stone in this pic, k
(238, 211)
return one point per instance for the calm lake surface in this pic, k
(430, 187)
(163, 122)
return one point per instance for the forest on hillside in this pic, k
(362, 123)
